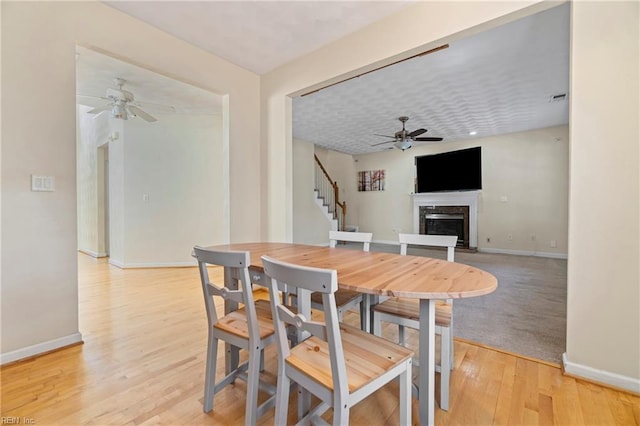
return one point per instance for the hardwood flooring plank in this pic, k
(143, 363)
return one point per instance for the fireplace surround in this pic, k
(428, 209)
(446, 220)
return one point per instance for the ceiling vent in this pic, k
(558, 98)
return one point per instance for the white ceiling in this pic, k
(155, 93)
(259, 35)
(499, 81)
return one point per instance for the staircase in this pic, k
(327, 197)
(325, 210)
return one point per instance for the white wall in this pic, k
(603, 303)
(530, 168)
(116, 195)
(92, 132)
(40, 304)
(178, 163)
(603, 279)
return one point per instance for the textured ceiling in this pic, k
(259, 35)
(95, 73)
(499, 81)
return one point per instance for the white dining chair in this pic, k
(339, 364)
(249, 327)
(406, 312)
(347, 299)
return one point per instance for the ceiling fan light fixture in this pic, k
(118, 111)
(403, 144)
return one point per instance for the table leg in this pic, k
(232, 353)
(426, 380)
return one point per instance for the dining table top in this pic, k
(378, 273)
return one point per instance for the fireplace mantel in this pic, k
(460, 198)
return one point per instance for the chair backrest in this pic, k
(236, 264)
(357, 237)
(448, 241)
(306, 280)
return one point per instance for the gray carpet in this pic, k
(525, 315)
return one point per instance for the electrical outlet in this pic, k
(533, 237)
(510, 236)
(553, 244)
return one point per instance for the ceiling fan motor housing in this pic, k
(121, 95)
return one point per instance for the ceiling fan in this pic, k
(122, 104)
(404, 140)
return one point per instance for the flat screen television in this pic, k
(450, 171)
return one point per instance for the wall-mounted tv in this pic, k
(450, 171)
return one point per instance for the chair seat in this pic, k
(343, 297)
(410, 309)
(236, 322)
(366, 357)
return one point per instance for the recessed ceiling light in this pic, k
(473, 133)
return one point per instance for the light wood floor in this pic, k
(143, 363)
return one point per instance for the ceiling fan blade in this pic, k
(135, 111)
(384, 136)
(99, 109)
(427, 139)
(169, 109)
(417, 132)
(91, 97)
(382, 143)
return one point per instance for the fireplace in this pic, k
(446, 220)
(448, 213)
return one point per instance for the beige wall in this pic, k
(310, 226)
(602, 330)
(415, 29)
(530, 168)
(603, 310)
(38, 80)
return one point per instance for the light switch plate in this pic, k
(41, 183)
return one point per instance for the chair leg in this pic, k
(404, 406)
(304, 402)
(377, 323)
(364, 317)
(445, 367)
(451, 362)
(210, 373)
(401, 335)
(262, 360)
(253, 379)
(282, 399)
(341, 415)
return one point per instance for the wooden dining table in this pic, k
(383, 274)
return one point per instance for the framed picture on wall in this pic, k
(371, 180)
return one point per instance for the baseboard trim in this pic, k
(116, 263)
(121, 265)
(600, 376)
(40, 348)
(93, 253)
(524, 253)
